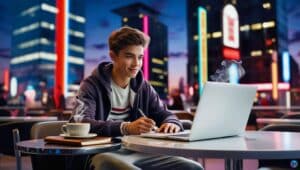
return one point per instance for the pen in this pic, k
(143, 114)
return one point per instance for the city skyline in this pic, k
(100, 24)
(100, 21)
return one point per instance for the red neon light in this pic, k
(269, 42)
(6, 79)
(231, 54)
(60, 48)
(146, 53)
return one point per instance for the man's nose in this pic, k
(136, 62)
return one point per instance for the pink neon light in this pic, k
(146, 53)
(269, 86)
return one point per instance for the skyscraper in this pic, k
(263, 31)
(34, 43)
(155, 63)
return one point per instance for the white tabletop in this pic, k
(251, 145)
(277, 121)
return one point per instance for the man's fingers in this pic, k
(148, 120)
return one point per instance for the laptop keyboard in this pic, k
(182, 135)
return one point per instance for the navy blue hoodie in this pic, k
(95, 91)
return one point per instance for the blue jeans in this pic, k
(129, 160)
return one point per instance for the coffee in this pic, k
(76, 129)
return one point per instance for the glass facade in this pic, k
(33, 43)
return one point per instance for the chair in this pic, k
(6, 129)
(43, 129)
(291, 116)
(12, 132)
(39, 131)
(185, 117)
(16, 139)
(53, 128)
(286, 163)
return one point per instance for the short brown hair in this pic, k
(126, 36)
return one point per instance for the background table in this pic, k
(28, 118)
(277, 121)
(252, 145)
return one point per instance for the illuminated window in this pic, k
(76, 33)
(34, 42)
(269, 24)
(245, 28)
(267, 5)
(26, 28)
(270, 51)
(157, 61)
(157, 83)
(47, 25)
(30, 10)
(217, 34)
(256, 53)
(195, 37)
(77, 18)
(208, 36)
(125, 19)
(256, 26)
(76, 48)
(157, 70)
(45, 56)
(49, 8)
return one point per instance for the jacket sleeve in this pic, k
(157, 111)
(89, 96)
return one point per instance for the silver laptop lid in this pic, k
(223, 110)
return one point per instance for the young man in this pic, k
(119, 102)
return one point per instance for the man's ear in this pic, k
(112, 55)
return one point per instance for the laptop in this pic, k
(222, 111)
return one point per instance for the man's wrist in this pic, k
(124, 128)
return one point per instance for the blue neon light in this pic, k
(286, 69)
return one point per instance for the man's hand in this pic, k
(141, 125)
(169, 128)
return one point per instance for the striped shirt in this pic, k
(120, 102)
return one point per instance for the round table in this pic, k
(40, 147)
(251, 145)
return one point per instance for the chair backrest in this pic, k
(6, 141)
(43, 129)
(291, 116)
(53, 128)
(282, 127)
(285, 163)
(185, 117)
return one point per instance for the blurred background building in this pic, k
(34, 39)
(263, 40)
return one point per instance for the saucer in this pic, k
(90, 135)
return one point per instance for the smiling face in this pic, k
(128, 61)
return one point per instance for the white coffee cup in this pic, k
(76, 129)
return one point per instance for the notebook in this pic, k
(222, 111)
(78, 142)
